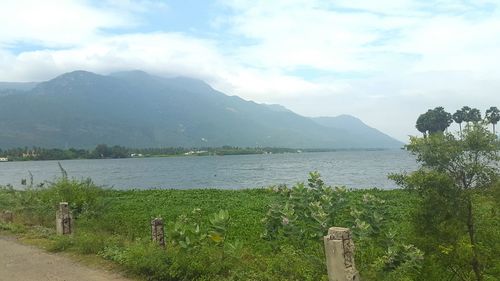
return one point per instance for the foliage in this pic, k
(433, 121)
(472, 115)
(369, 219)
(187, 233)
(306, 213)
(454, 170)
(459, 117)
(492, 116)
(399, 262)
(380, 220)
(116, 151)
(219, 223)
(211, 234)
(36, 205)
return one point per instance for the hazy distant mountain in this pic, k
(11, 88)
(21, 86)
(277, 107)
(135, 109)
(356, 128)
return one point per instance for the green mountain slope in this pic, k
(135, 109)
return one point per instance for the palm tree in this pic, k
(474, 115)
(465, 113)
(492, 116)
(458, 117)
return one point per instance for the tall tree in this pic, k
(492, 116)
(458, 117)
(471, 114)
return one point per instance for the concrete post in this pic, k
(7, 216)
(64, 219)
(158, 232)
(339, 250)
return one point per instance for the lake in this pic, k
(354, 169)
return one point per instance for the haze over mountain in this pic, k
(135, 109)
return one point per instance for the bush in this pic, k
(36, 205)
(145, 259)
(304, 215)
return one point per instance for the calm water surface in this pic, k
(355, 169)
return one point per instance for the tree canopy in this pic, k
(492, 116)
(433, 121)
(454, 171)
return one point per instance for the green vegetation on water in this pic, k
(115, 225)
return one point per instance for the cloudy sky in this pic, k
(384, 61)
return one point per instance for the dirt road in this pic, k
(24, 263)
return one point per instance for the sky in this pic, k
(384, 61)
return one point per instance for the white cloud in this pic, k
(158, 53)
(137, 6)
(291, 34)
(407, 55)
(452, 43)
(415, 54)
(55, 23)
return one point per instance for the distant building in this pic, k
(4, 159)
(195, 152)
(30, 154)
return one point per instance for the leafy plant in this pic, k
(219, 223)
(306, 213)
(186, 231)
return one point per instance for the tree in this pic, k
(453, 170)
(102, 151)
(434, 121)
(119, 152)
(422, 124)
(465, 112)
(458, 117)
(492, 116)
(471, 114)
(440, 120)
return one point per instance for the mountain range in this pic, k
(135, 109)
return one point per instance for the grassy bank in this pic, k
(255, 237)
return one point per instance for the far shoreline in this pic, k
(201, 153)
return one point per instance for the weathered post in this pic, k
(8, 216)
(339, 250)
(64, 219)
(158, 232)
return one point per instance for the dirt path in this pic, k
(24, 263)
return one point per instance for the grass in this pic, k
(133, 210)
(115, 226)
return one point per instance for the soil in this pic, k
(26, 263)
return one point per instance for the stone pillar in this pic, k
(7, 216)
(339, 250)
(158, 232)
(64, 219)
